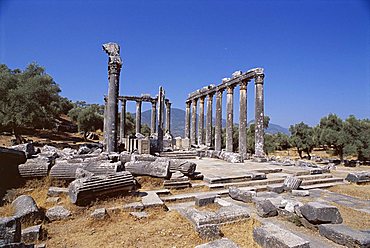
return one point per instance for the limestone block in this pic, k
(266, 209)
(320, 213)
(344, 235)
(10, 230)
(203, 200)
(241, 195)
(25, 208)
(57, 213)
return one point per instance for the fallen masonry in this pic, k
(219, 243)
(358, 177)
(149, 168)
(320, 213)
(343, 235)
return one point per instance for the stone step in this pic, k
(322, 185)
(317, 176)
(248, 183)
(321, 181)
(191, 196)
(268, 170)
(228, 179)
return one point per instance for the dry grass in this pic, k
(150, 183)
(241, 232)
(354, 190)
(189, 190)
(353, 218)
(214, 207)
(6, 210)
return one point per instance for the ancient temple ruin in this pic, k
(204, 136)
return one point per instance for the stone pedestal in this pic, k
(259, 115)
(218, 124)
(229, 119)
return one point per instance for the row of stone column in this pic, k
(204, 136)
(138, 117)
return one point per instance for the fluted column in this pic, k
(201, 122)
(123, 120)
(153, 117)
(229, 118)
(259, 115)
(243, 120)
(138, 117)
(218, 124)
(161, 97)
(209, 121)
(194, 122)
(168, 117)
(187, 120)
(105, 124)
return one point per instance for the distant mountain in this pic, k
(178, 123)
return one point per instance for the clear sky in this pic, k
(316, 54)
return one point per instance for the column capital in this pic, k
(194, 101)
(244, 84)
(230, 89)
(219, 93)
(259, 78)
(210, 95)
(188, 104)
(168, 103)
(202, 98)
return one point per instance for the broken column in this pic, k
(168, 117)
(209, 120)
(153, 118)
(161, 98)
(229, 119)
(187, 120)
(201, 122)
(138, 117)
(114, 69)
(259, 113)
(218, 124)
(243, 120)
(194, 122)
(123, 120)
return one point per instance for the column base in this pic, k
(259, 159)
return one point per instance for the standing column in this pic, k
(114, 69)
(105, 124)
(187, 120)
(201, 122)
(153, 120)
(194, 122)
(168, 117)
(243, 120)
(259, 115)
(218, 125)
(161, 97)
(229, 118)
(138, 117)
(123, 120)
(209, 121)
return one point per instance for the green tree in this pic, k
(302, 138)
(251, 133)
(89, 119)
(357, 134)
(281, 141)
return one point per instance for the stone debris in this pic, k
(84, 190)
(137, 206)
(230, 157)
(300, 192)
(32, 234)
(27, 148)
(99, 214)
(277, 188)
(151, 199)
(139, 215)
(320, 213)
(25, 208)
(344, 235)
(270, 235)
(292, 205)
(219, 243)
(265, 208)
(291, 182)
(57, 213)
(10, 230)
(147, 168)
(36, 167)
(57, 191)
(185, 167)
(203, 200)
(358, 177)
(241, 195)
(54, 199)
(177, 181)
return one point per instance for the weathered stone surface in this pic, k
(231, 157)
(84, 190)
(27, 148)
(358, 177)
(320, 213)
(185, 167)
(10, 230)
(133, 206)
(220, 243)
(99, 213)
(241, 195)
(300, 192)
(25, 208)
(36, 167)
(32, 234)
(277, 188)
(151, 199)
(57, 191)
(155, 168)
(344, 235)
(291, 205)
(208, 232)
(57, 213)
(139, 215)
(270, 235)
(53, 200)
(203, 200)
(266, 209)
(292, 182)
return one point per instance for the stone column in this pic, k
(218, 124)
(209, 121)
(201, 122)
(154, 117)
(114, 69)
(123, 120)
(187, 120)
(259, 115)
(229, 118)
(168, 117)
(138, 117)
(161, 98)
(193, 137)
(105, 124)
(243, 120)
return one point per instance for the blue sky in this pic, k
(316, 54)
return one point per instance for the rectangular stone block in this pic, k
(320, 213)
(203, 200)
(185, 144)
(344, 235)
(10, 230)
(152, 200)
(220, 243)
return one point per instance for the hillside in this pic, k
(178, 123)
